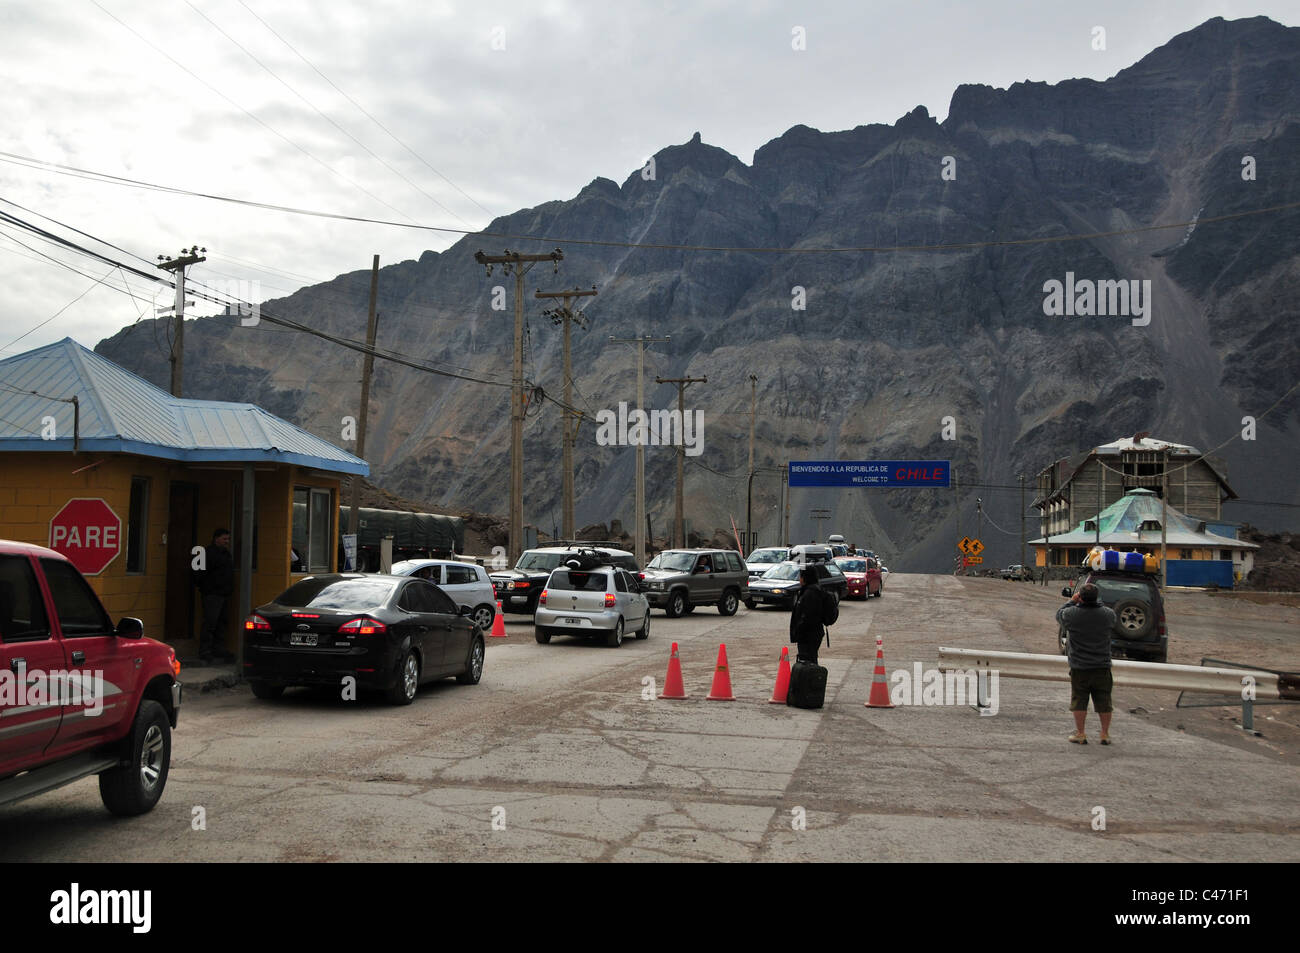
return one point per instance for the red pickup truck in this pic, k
(79, 695)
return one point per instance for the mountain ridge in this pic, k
(889, 343)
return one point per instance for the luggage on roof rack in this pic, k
(1112, 559)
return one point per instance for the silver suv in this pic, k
(602, 602)
(678, 580)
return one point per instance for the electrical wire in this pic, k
(318, 112)
(108, 178)
(361, 108)
(268, 128)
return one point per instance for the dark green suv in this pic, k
(1139, 631)
(678, 580)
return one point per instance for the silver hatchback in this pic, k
(600, 603)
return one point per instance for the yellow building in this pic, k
(153, 475)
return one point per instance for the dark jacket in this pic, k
(218, 579)
(806, 619)
(1090, 629)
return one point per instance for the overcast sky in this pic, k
(491, 107)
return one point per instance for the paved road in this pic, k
(557, 756)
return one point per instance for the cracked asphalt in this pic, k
(557, 756)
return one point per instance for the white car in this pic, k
(466, 584)
(761, 560)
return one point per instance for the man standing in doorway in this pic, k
(216, 585)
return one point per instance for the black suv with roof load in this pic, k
(1139, 631)
(517, 589)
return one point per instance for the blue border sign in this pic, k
(884, 473)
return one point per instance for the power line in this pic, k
(602, 243)
(345, 132)
(361, 108)
(37, 327)
(268, 128)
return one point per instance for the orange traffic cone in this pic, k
(782, 687)
(721, 690)
(498, 623)
(879, 697)
(673, 687)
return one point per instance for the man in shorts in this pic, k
(1089, 625)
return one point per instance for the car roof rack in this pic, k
(582, 544)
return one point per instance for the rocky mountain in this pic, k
(890, 341)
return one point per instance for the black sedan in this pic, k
(779, 586)
(387, 632)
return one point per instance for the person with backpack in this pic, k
(813, 611)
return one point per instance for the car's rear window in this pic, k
(768, 555)
(1115, 589)
(572, 579)
(337, 594)
(539, 561)
(852, 565)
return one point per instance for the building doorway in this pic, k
(182, 537)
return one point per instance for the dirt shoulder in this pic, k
(1254, 629)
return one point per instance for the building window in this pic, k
(137, 525)
(313, 527)
(1185, 554)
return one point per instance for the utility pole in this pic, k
(367, 368)
(1101, 474)
(749, 501)
(514, 263)
(979, 518)
(819, 516)
(642, 518)
(1021, 478)
(679, 525)
(565, 315)
(177, 267)
(1164, 513)
(786, 487)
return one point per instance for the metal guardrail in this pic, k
(1268, 686)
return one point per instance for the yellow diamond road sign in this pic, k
(964, 545)
(975, 548)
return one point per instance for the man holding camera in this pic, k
(1088, 623)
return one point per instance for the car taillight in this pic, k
(255, 623)
(519, 584)
(362, 626)
(610, 600)
(641, 576)
(541, 600)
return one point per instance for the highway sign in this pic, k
(880, 473)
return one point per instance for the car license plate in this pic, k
(569, 620)
(303, 638)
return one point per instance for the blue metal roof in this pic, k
(1121, 520)
(123, 413)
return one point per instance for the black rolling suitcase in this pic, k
(807, 685)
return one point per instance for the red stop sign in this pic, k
(89, 533)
